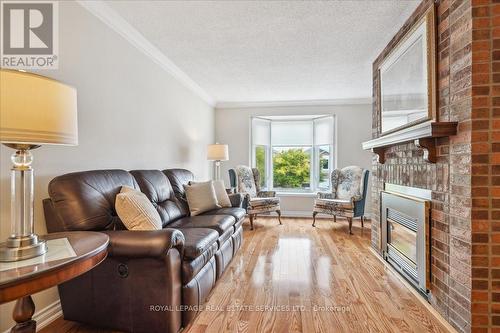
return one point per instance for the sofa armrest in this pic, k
(236, 199)
(141, 244)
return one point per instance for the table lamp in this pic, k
(217, 152)
(34, 111)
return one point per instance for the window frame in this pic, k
(314, 165)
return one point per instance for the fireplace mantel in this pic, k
(423, 135)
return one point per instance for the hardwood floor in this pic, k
(311, 280)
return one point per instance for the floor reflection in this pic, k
(290, 262)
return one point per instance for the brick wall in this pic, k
(485, 142)
(449, 178)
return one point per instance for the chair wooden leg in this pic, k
(362, 221)
(251, 221)
(279, 215)
(314, 218)
(334, 218)
(350, 225)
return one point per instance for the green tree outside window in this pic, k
(291, 168)
(260, 164)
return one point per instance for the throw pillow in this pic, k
(136, 211)
(201, 197)
(220, 192)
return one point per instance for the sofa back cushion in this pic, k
(156, 186)
(178, 178)
(86, 200)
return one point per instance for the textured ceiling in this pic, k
(271, 50)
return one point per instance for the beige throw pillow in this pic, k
(220, 192)
(136, 211)
(201, 197)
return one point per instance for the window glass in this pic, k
(324, 157)
(292, 168)
(293, 153)
(261, 163)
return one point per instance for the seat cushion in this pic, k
(259, 202)
(225, 236)
(219, 223)
(198, 240)
(334, 203)
(191, 267)
(337, 207)
(238, 224)
(236, 212)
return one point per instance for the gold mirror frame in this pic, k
(430, 20)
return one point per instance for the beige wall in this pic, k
(131, 113)
(353, 123)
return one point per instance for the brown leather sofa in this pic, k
(151, 281)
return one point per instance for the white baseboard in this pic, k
(48, 314)
(45, 316)
(296, 213)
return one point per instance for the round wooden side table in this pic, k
(19, 283)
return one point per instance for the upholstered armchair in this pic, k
(348, 195)
(246, 181)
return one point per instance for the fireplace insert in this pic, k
(405, 218)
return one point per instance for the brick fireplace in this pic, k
(465, 180)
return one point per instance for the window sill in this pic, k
(297, 194)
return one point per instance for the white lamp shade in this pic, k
(36, 110)
(217, 152)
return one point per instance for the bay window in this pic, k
(293, 154)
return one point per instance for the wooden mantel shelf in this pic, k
(423, 135)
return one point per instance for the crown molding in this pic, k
(116, 22)
(317, 102)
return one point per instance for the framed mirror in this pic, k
(407, 78)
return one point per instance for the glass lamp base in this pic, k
(20, 248)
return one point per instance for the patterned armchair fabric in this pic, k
(348, 195)
(247, 182)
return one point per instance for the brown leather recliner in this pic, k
(151, 281)
(227, 249)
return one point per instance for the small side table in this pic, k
(20, 283)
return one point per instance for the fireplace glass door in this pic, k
(402, 236)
